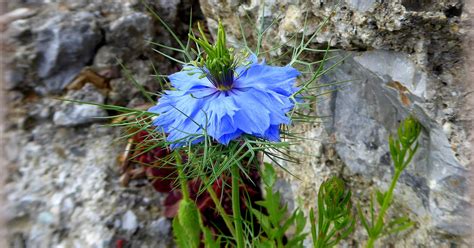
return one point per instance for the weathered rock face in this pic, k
(64, 187)
(364, 114)
(65, 43)
(72, 114)
(404, 58)
(65, 192)
(130, 33)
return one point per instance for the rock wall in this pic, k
(63, 185)
(404, 56)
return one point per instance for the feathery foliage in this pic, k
(335, 218)
(402, 150)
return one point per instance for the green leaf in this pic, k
(380, 197)
(268, 175)
(209, 241)
(264, 221)
(335, 217)
(280, 232)
(296, 241)
(398, 225)
(312, 220)
(300, 221)
(363, 220)
(264, 243)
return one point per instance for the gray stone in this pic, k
(65, 44)
(72, 114)
(46, 218)
(168, 8)
(130, 32)
(108, 56)
(63, 183)
(13, 78)
(19, 30)
(361, 5)
(160, 228)
(71, 172)
(398, 67)
(365, 112)
(129, 221)
(123, 91)
(15, 97)
(73, 196)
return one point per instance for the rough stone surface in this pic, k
(123, 90)
(63, 187)
(364, 114)
(72, 114)
(161, 228)
(130, 33)
(72, 196)
(65, 44)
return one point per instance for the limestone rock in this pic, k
(63, 185)
(130, 33)
(129, 221)
(365, 113)
(65, 44)
(72, 114)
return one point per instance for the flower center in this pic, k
(218, 61)
(223, 81)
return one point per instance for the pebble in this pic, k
(129, 221)
(161, 227)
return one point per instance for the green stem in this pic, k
(219, 207)
(386, 204)
(322, 234)
(182, 177)
(236, 206)
(370, 243)
(280, 243)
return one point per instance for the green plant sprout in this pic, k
(402, 150)
(274, 222)
(335, 222)
(335, 217)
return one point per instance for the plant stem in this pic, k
(321, 242)
(386, 204)
(370, 243)
(182, 177)
(236, 206)
(219, 207)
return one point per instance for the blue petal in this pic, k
(265, 77)
(179, 117)
(226, 138)
(189, 78)
(275, 104)
(273, 133)
(220, 111)
(250, 61)
(248, 118)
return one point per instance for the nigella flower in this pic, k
(226, 101)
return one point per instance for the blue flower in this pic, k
(254, 101)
